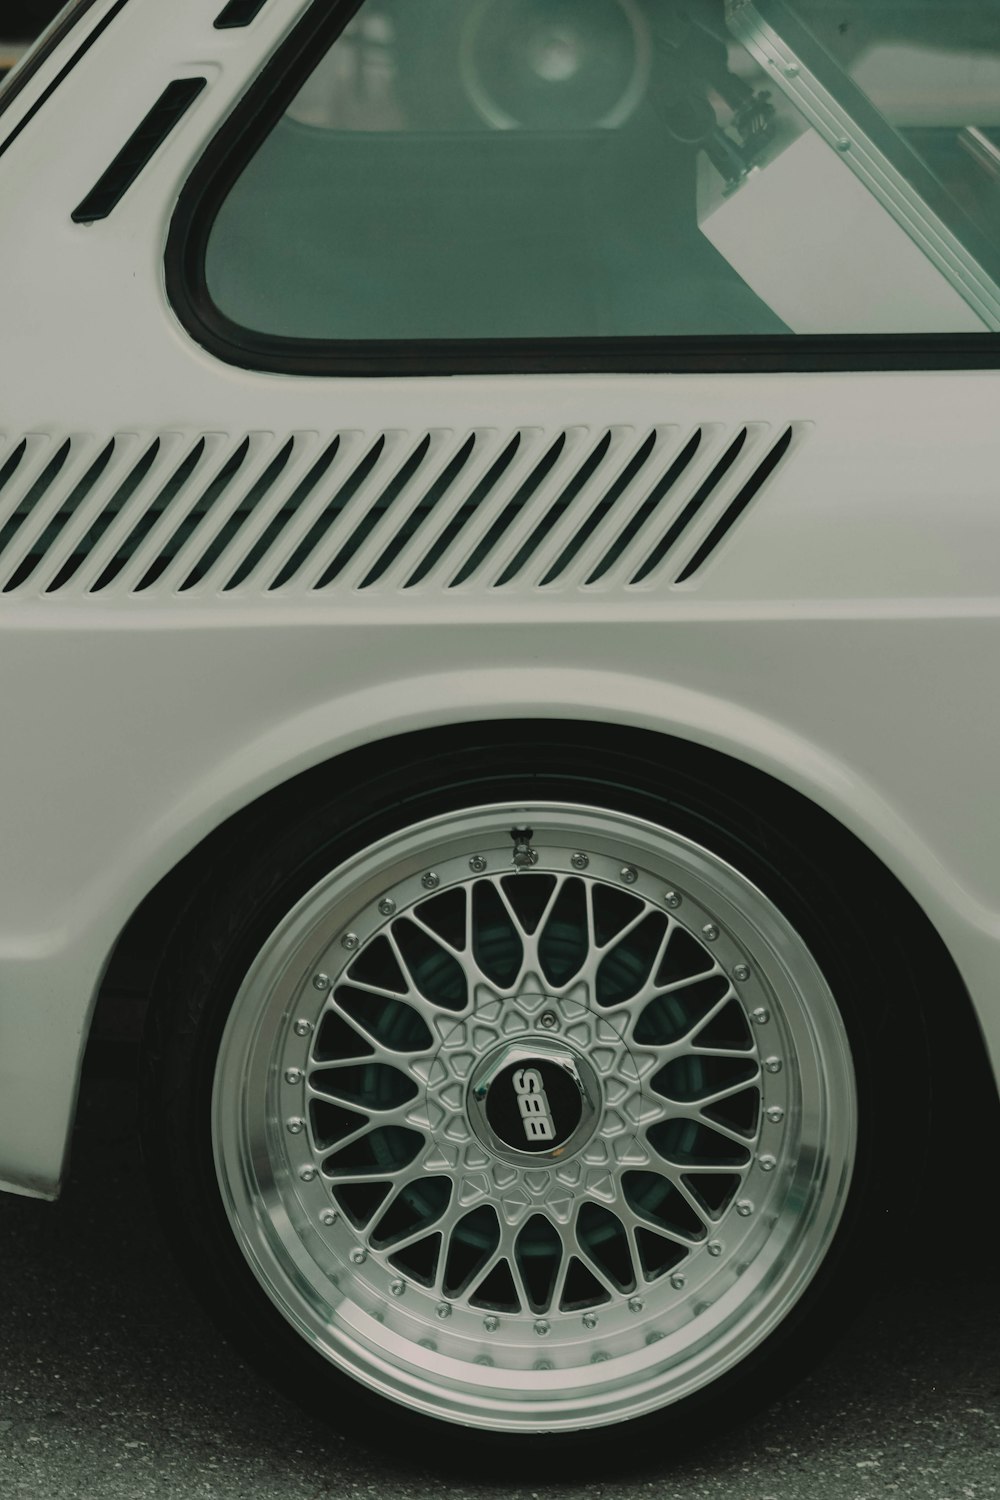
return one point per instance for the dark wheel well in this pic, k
(964, 1092)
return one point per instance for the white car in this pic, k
(500, 587)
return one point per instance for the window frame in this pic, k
(233, 147)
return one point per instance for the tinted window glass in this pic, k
(596, 169)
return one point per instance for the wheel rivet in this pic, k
(477, 864)
(775, 1114)
(761, 1016)
(443, 1310)
(293, 1075)
(548, 1019)
(321, 981)
(671, 898)
(744, 1208)
(767, 1163)
(710, 932)
(397, 1288)
(741, 972)
(635, 1304)
(430, 881)
(307, 1174)
(580, 861)
(295, 1126)
(715, 1247)
(328, 1216)
(773, 1064)
(387, 906)
(350, 941)
(629, 874)
(542, 1327)
(491, 1324)
(358, 1256)
(678, 1282)
(590, 1320)
(303, 1027)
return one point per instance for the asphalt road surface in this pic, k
(113, 1385)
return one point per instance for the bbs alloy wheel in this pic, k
(533, 1101)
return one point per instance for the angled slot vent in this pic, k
(139, 151)
(680, 524)
(239, 13)
(736, 507)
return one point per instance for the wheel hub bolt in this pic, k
(293, 1075)
(767, 1163)
(491, 1324)
(542, 1327)
(678, 1282)
(548, 1019)
(308, 1174)
(387, 906)
(430, 881)
(328, 1216)
(761, 1016)
(477, 864)
(629, 874)
(744, 1208)
(671, 898)
(710, 932)
(295, 1126)
(635, 1304)
(776, 1114)
(741, 972)
(773, 1064)
(580, 861)
(358, 1256)
(590, 1320)
(397, 1288)
(350, 941)
(443, 1310)
(303, 1027)
(715, 1247)
(321, 981)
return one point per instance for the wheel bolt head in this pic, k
(321, 981)
(542, 1327)
(430, 881)
(358, 1256)
(671, 898)
(767, 1163)
(710, 932)
(635, 1304)
(744, 1208)
(760, 1015)
(715, 1247)
(397, 1288)
(678, 1282)
(387, 906)
(590, 1320)
(350, 941)
(741, 972)
(775, 1114)
(295, 1126)
(629, 874)
(443, 1310)
(548, 1019)
(491, 1323)
(477, 864)
(328, 1216)
(773, 1064)
(303, 1027)
(580, 861)
(293, 1075)
(307, 1174)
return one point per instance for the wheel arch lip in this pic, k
(61, 977)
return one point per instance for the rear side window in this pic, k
(575, 173)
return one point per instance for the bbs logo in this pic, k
(534, 1106)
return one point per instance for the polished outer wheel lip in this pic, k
(644, 1352)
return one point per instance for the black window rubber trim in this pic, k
(32, 65)
(241, 136)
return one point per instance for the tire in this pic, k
(550, 1083)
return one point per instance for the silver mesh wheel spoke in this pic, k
(478, 1104)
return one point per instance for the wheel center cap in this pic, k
(537, 1099)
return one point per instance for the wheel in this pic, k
(534, 1088)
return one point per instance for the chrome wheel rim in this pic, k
(614, 1244)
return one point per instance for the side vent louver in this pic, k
(163, 515)
(239, 13)
(139, 151)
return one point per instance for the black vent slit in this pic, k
(131, 462)
(159, 498)
(182, 520)
(620, 545)
(584, 531)
(139, 150)
(11, 464)
(238, 13)
(351, 492)
(557, 511)
(30, 489)
(376, 517)
(500, 524)
(453, 518)
(700, 498)
(226, 520)
(278, 522)
(406, 527)
(50, 520)
(736, 507)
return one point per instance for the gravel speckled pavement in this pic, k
(114, 1386)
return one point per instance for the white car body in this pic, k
(844, 638)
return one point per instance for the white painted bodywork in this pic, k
(845, 639)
